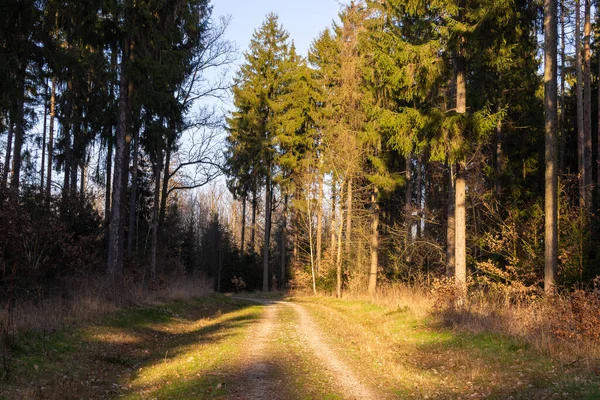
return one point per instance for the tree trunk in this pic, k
(319, 222)
(253, 233)
(461, 229)
(124, 205)
(419, 183)
(460, 215)
(165, 184)
(109, 163)
(243, 226)
(51, 137)
(499, 156)
(587, 106)
(450, 225)
(44, 132)
(115, 240)
(579, 96)
(283, 233)
(561, 122)
(374, 242)
(408, 202)
(155, 212)
(133, 195)
(19, 124)
(75, 154)
(598, 133)
(83, 167)
(348, 220)
(7, 159)
(338, 259)
(66, 131)
(461, 86)
(333, 215)
(267, 236)
(108, 127)
(551, 175)
(309, 218)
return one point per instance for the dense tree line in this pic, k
(421, 138)
(103, 130)
(415, 139)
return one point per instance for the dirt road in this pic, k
(261, 380)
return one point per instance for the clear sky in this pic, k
(303, 19)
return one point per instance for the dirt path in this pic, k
(257, 382)
(259, 377)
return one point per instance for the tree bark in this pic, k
(253, 233)
(133, 195)
(348, 243)
(51, 137)
(108, 127)
(499, 156)
(374, 242)
(461, 229)
(460, 215)
(242, 240)
(408, 201)
(283, 234)
(66, 130)
(587, 106)
(579, 97)
(450, 225)
(7, 158)
(561, 122)
(419, 183)
(333, 215)
(19, 132)
(319, 221)
(338, 259)
(551, 175)
(115, 240)
(83, 167)
(109, 163)
(598, 133)
(267, 235)
(165, 182)
(155, 212)
(44, 132)
(461, 86)
(75, 152)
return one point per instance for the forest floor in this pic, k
(297, 348)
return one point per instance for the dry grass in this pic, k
(423, 359)
(87, 299)
(174, 350)
(566, 326)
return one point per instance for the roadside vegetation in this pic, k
(198, 348)
(417, 356)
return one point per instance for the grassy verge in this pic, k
(170, 351)
(412, 356)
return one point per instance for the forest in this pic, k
(448, 147)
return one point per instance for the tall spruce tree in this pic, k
(257, 116)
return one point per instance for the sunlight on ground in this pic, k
(112, 336)
(185, 369)
(423, 360)
(200, 349)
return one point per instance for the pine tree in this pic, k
(255, 124)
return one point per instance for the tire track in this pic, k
(342, 375)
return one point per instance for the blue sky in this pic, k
(303, 19)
